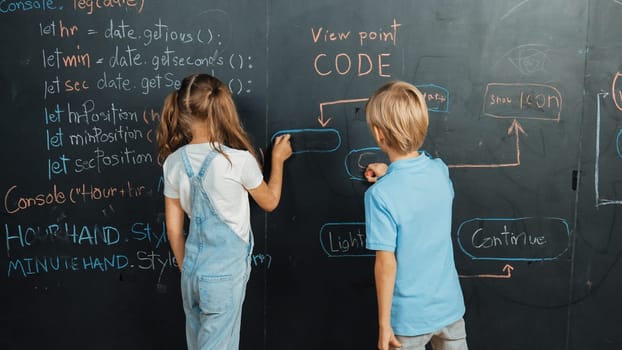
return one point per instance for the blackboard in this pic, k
(525, 103)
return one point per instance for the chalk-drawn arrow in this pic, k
(516, 129)
(323, 122)
(321, 118)
(507, 269)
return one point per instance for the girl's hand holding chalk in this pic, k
(282, 148)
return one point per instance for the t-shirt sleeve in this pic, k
(171, 183)
(251, 173)
(381, 230)
(445, 170)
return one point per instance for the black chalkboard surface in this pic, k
(525, 103)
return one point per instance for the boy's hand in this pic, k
(282, 148)
(374, 171)
(387, 340)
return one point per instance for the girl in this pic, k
(210, 168)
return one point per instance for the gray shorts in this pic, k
(452, 337)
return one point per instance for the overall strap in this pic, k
(187, 166)
(206, 163)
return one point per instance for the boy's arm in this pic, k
(384, 270)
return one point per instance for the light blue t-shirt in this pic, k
(408, 212)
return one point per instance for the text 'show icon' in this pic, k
(522, 101)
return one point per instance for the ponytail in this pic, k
(205, 99)
(170, 134)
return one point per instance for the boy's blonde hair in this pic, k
(398, 109)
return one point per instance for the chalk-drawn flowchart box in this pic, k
(606, 164)
(522, 101)
(344, 239)
(312, 140)
(514, 239)
(357, 160)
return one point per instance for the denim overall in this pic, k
(215, 270)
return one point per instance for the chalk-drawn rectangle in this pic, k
(344, 239)
(522, 101)
(514, 239)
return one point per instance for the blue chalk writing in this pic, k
(161, 184)
(260, 259)
(618, 141)
(436, 97)
(54, 139)
(22, 236)
(28, 5)
(145, 232)
(28, 266)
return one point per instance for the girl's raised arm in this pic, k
(268, 195)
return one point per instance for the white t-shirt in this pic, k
(226, 183)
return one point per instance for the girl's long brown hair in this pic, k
(206, 99)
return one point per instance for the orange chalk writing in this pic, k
(342, 64)
(380, 35)
(507, 269)
(515, 129)
(326, 36)
(14, 203)
(76, 85)
(90, 6)
(616, 91)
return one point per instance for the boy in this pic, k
(408, 223)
